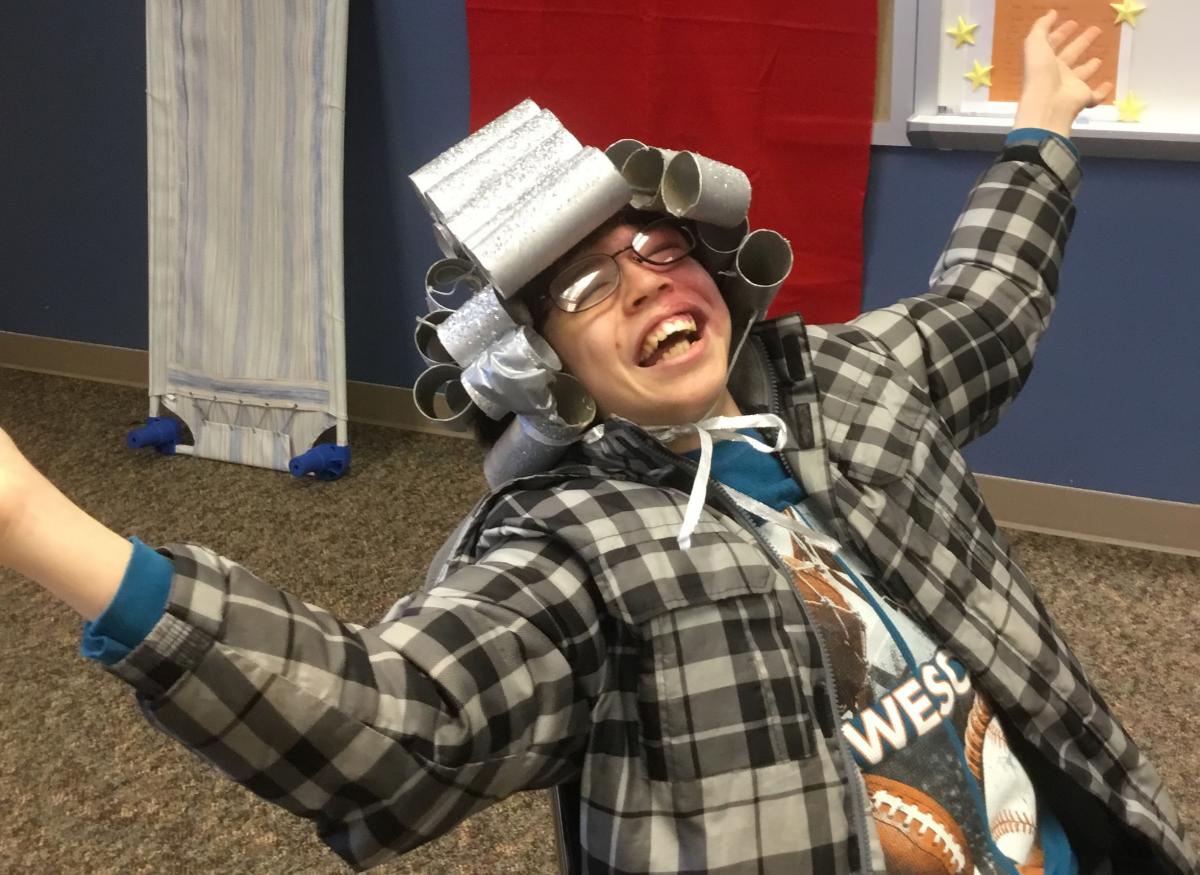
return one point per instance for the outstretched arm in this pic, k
(385, 736)
(47, 538)
(969, 341)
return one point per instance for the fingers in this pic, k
(1101, 94)
(1042, 26)
(1089, 69)
(1078, 46)
(1060, 34)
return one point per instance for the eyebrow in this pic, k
(620, 249)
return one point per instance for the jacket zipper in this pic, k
(857, 787)
(854, 786)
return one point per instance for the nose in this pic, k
(640, 285)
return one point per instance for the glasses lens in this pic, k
(585, 283)
(664, 241)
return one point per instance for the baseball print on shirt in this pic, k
(945, 791)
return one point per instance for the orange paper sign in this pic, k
(1014, 18)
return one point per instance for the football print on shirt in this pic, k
(894, 723)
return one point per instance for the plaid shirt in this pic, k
(566, 637)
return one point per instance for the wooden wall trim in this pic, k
(1125, 520)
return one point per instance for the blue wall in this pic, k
(1114, 400)
(1112, 405)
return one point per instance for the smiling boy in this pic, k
(655, 347)
(842, 671)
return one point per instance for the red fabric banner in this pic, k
(783, 89)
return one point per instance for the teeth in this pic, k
(664, 330)
(677, 350)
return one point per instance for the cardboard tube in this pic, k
(618, 153)
(763, 262)
(716, 246)
(532, 444)
(469, 331)
(455, 189)
(514, 374)
(447, 279)
(493, 194)
(695, 187)
(547, 221)
(643, 170)
(444, 380)
(462, 152)
(425, 336)
(764, 259)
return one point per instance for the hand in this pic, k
(1056, 89)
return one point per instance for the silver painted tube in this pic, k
(534, 443)
(763, 262)
(477, 324)
(618, 153)
(716, 246)
(455, 411)
(513, 374)
(425, 336)
(695, 187)
(644, 170)
(456, 189)
(548, 220)
(462, 152)
(448, 279)
(493, 193)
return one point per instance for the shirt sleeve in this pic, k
(389, 735)
(969, 341)
(1037, 135)
(137, 606)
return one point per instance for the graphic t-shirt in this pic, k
(919, 736)
(946, 792)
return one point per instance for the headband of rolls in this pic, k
(510, 200)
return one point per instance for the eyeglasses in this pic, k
(582, 284)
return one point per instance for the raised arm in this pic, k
(385, 736)
(969, 341)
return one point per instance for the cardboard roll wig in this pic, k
(509, 201)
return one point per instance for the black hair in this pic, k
(534, 294)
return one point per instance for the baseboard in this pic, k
(1125, 520)
(365, 402)
(1107, 517)
(73, 358)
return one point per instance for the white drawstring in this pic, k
(726, 427)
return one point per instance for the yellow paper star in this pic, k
(980, 76)
(962, 33)
(1128, 10)
(1129, 108)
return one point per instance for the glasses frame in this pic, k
(688, 235)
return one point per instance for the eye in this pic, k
(662, 242)
(584, 283)
(668, 250)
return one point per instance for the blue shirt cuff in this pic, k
(1038, 135)
(138, 605)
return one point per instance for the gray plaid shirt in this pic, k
(567, 638)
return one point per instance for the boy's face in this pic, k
(612, 347)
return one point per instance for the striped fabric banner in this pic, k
(245, 117)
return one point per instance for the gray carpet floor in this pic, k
(87, 786)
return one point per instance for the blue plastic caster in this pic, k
(160, 432)
(324, 461)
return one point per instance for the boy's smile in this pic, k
(671, 339)
(657, 350)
